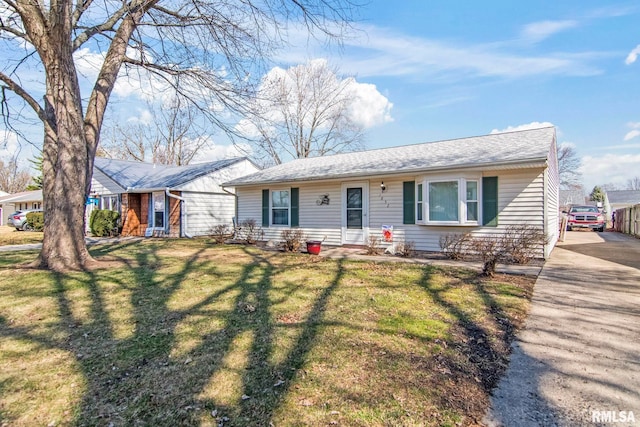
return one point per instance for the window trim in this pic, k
(461, 204)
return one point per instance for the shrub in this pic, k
(519, 244)
(104, 222)
(221, 233)
(373, 246)
(35, 221)
(249, 231)
(405, 249)
(455, 246)
(522, 241)
(292, 239)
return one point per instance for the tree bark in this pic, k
(65, 156)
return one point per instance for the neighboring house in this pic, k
(623, 198)
(573, 197)
(19, 201)
(415, 193)
(164, 200)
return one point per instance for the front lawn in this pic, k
(183, 332)
(11, 236)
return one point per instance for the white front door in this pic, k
(355, 213)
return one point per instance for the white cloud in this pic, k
(369, 107)
(610, 168)
(377, 51)
(8, 144)
(633, 55)
(145, 118)
(215, 151)
(532, 125)
(541, 30)
(631, 134)
(366, 106)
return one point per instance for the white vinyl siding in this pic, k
(552, 200)
(204, 211)
(520, 202)
(317, 221)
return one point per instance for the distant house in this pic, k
(19, 201)
(573, 197)
(164, 200)
(623, 198)
(416, 193)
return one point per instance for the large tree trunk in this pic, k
(65, 163)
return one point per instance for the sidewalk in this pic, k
(577, 361)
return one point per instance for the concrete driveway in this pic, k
(577, 361)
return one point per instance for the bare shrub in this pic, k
(250, 232)
(373, 246)
(405, 249)
(490, 250)
(455, 246)
(522, 242)
(292, 239)
(221, 233)
(519, 244)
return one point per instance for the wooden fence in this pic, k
(628, 220)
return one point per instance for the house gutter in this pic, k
(183, 219)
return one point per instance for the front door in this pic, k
(355, 213)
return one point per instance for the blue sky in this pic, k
(454, 69)
(451, 69)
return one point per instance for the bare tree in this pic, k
(568, 166)
(304, 111)
(169, 135)
(633, 183)
(13, 179)
(202, 48)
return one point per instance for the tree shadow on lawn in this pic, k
(136, 372)
(480, 359)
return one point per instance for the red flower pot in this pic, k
(313, 247)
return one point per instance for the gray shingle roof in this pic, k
(495, 149)
(624, 196)
(136, 175)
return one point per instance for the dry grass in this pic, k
(11, 236)
(186, 333)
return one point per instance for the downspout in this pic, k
(183, 213)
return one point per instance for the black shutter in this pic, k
(295, 207)
(409, 202)
(265, 208)
(490, 201)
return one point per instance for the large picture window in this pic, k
(443, 201)
(280, 204)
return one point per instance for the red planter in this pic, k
(313, 247)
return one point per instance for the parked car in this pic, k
(18, 219)
(10, 218)
(585, 217)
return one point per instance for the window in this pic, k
(472, 200)
(419, 204)
(354, 207)
(455, 201)
(443, 202)
(109, 203)
(158, 209)
(280, 207)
